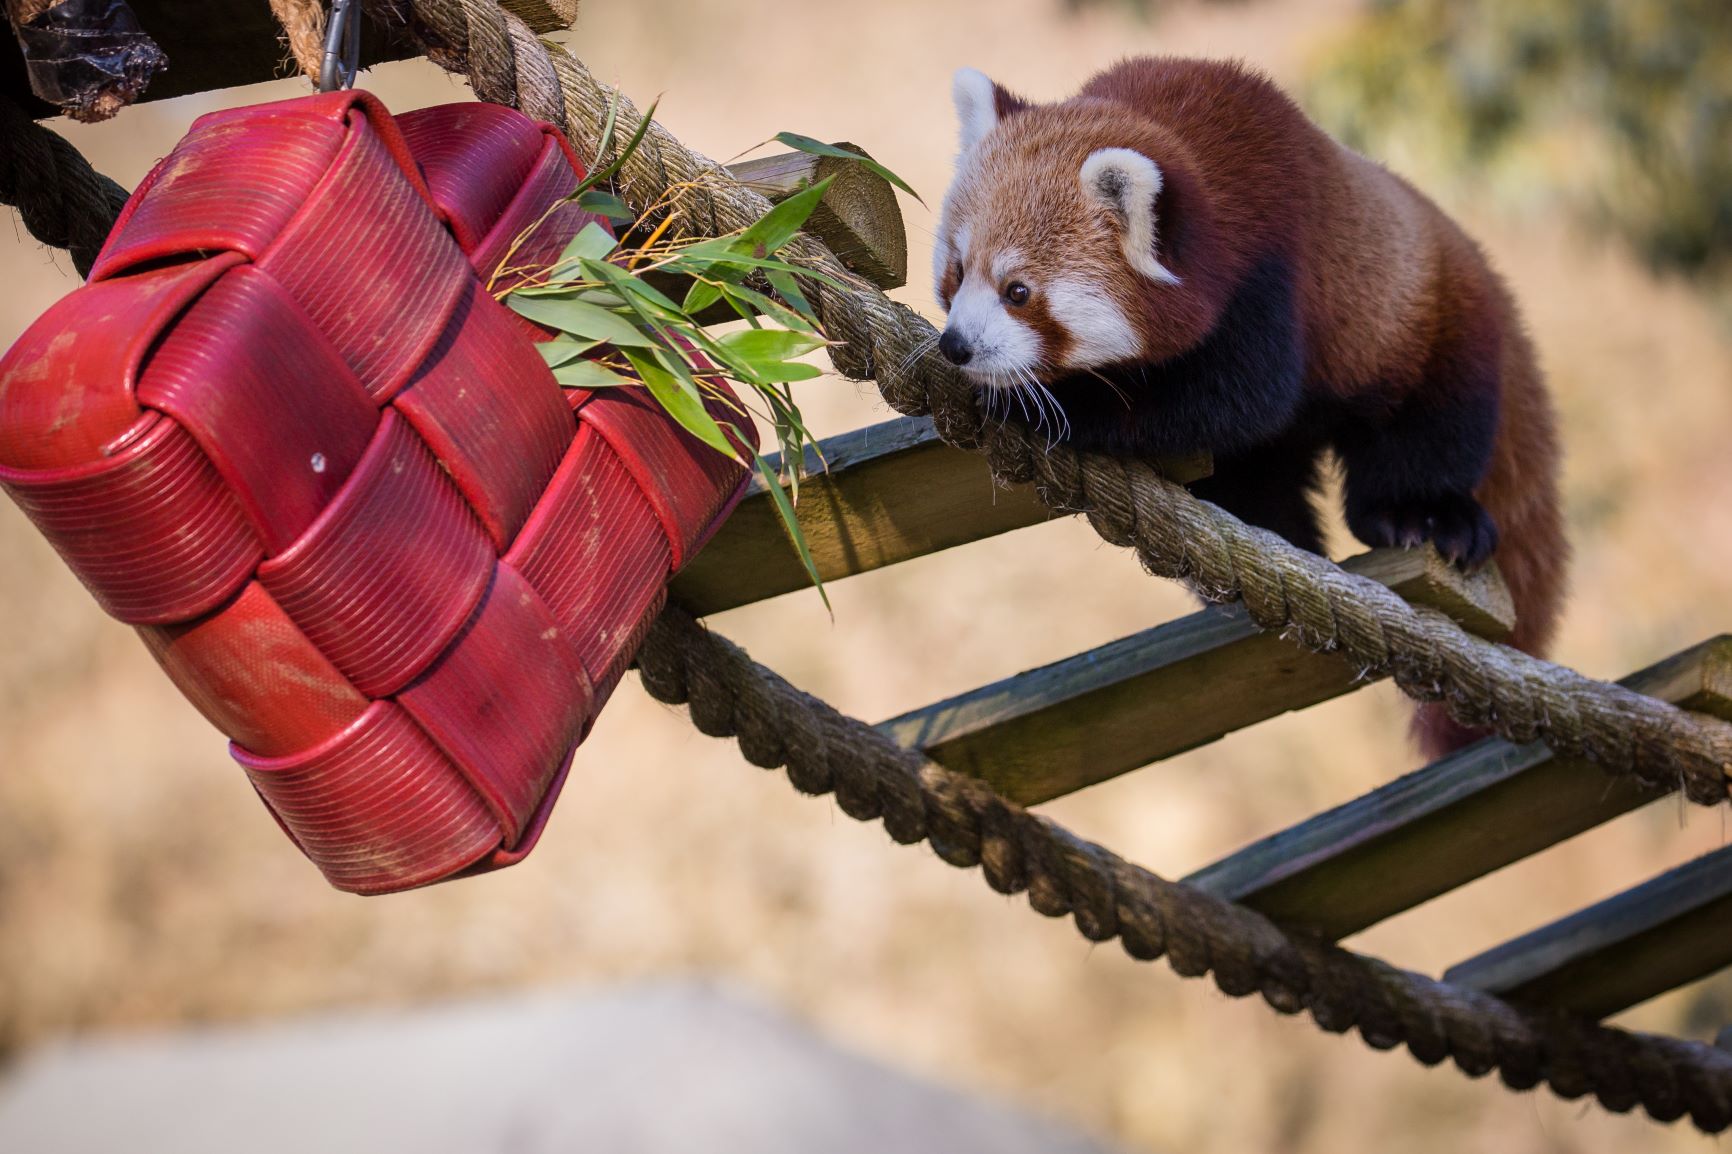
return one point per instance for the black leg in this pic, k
(1411, 472)
(1270, 487)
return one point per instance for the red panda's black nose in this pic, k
(954, 348)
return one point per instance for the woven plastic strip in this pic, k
(287, 433)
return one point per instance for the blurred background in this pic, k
(1586, 143)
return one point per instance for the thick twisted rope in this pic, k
(1483, 685)
(65, 203)
(968, 824)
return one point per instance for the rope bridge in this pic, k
(1644, 742)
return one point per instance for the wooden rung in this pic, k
(1457, 819)
(1620, 952)
(893, 492)
(1077, 722)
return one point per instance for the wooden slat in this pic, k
(1656, 937)
(1453, 821)
(893, 492)
(1077, 722)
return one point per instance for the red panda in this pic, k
(1177, 260)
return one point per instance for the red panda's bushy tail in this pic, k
(1520, 492)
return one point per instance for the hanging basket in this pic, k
(287, 434)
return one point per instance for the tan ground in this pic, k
(142, 885)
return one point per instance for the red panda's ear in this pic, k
(980, 104)
(1126, 183)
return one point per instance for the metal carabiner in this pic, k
(342, 46)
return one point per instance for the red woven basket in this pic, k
(288, 435)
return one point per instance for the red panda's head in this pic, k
(1068, 239)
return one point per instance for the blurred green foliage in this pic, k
(1619, 111)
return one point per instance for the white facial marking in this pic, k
(1128, 182)
(1100, 332)
(1001, 344)
(976, 109)
(1005, 263)
(944, 253)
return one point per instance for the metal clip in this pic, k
(342, 46)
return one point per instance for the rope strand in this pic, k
(65, 203)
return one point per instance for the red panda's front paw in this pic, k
(1456, 524)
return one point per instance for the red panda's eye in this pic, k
(1016, 293)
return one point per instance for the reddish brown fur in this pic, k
(1386, 283)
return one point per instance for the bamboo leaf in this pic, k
(599, 175)
(700, 297)
(778, 226)
(791, 525)
(606, 204)
(589, 375)
(580, 319)
(819, 148)
(789, 290)
(683, 406)
(770, 344)
(631, 287)
(561, 350)
(591, 242)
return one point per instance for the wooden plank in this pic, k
(1077, 722)
(1662, 934)
(1455, 820)
(893, 492)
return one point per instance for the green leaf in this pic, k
(819, 148)
(743, 297)
(683, 406)
(618, 162)
(770, 344)
(700, 297)
(592, 242)
(561, 350)
(746, 263)
(631, 287)
(608, 124)
(778, 226)
(606, 204)
(782, 371)
(589, 375)
(791, 525)
(580, 319)
(789, 290)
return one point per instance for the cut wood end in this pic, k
(1479, 602)
(858, 219)
(543, 15)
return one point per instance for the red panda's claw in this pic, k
(1456, 525)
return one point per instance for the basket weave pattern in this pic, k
(288, 435)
